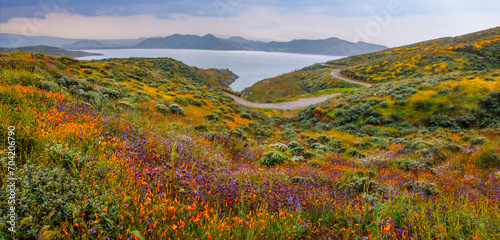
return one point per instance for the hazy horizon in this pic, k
(390, 22)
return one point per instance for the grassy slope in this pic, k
(474, 51)
(290, 85)
(107, 162)
(447, 96)
(444, 56)
(218, 77)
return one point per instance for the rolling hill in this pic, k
(446, 57)
(49, 50)
(471, 52)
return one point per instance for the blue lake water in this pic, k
(250, 66)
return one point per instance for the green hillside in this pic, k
(445, 57)
(289, 85)
(471, 52)
(44, 49)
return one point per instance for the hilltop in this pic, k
(49, 50)
(151, 148)
(445, 57)
(449, 55)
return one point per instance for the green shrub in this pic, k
(489, 158)
(88, 71)
(246, 115)
(201, 128)
(279, 146)
(298, 159)
(373, 102)
(407, 165)
(212, 117)
(307, 154)
(355, 152)
(335, 143)
(162, 108)
(228, 117)
(298, 150)
(320, 147)
(91, 80)
(444, 91)
(272, 158)
(423, 105)
(492, 102)
(423, 151)
(372, 121)
(323, 139)
(489, 79)
(195, 102)
(111, 93)
(49, 86)
(301, 180)
(66, 158)
(361, 182)
(217, 112)
(182, 101)
(384, 104)
(176, 109)
(421, 186)
(49, 195)
(314, 164)
(288, 134)
(478, 141)
(293, 144)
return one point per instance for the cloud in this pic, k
(268, 25)
(258, 23)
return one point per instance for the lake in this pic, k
(250, 66)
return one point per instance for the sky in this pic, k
(386, 22)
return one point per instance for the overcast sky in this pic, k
(387, 22)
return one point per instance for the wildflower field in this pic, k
(153, 149)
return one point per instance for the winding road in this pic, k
(301, 103)
(297, 104)
(336, 74)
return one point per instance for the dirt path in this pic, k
(301, 103)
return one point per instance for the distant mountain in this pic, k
(102, 44)
(15, 41)
(178, 41)
(50, 51)
(89, 44)
(331, 46)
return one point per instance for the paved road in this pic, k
(336, 74)
(301, 103)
